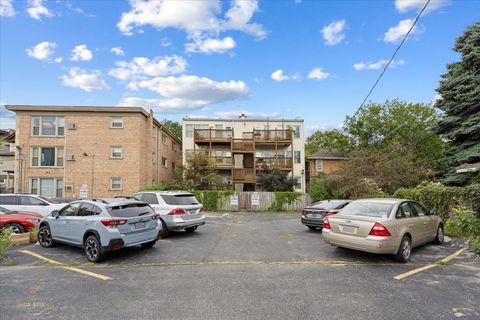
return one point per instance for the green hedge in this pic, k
(442, 199)
(283, 198)
(211, 199)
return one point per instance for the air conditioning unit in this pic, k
(70, 157)
(72, 126)
(68, 188)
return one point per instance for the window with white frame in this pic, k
(46, 156)
(48, 126)
(115, 183)
(117, 122)
(298, 182)
(164, 139)
(47, 187)
(298, 156)
(117, 152)
(319, 165)
(189, 130)
(164, 162)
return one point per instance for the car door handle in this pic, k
(410, 225)
(426, 222)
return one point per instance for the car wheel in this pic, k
(190, 229)
(93, 249)
(405, 250)
(312, 228)
(44, 237)
(147, 245)
(440, 235)
(164, 233)
(16, 227)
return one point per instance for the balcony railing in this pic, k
(244, 175)
(275, 162)
(223, 162)
(213, 135)
(272, 135)
(242, 145)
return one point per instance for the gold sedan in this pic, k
(388, 226)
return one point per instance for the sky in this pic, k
(314, 60)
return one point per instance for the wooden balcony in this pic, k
(223, 162)
(275, 162)
(213, 135)
(244, 175)
(275, 135)
(242, 145)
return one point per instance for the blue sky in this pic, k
(310, 59)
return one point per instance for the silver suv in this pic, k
(29, 202)
(100, 227)
(178, 209)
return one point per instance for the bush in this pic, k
(465, 224)
(283, 198)
(210, 199)
(171, 185)
(319, 189)
(5, 241)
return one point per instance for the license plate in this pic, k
(139, 225)
(315, 215)
(192, 211)
(348, 229)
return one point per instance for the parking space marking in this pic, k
(432, 265)
(84, 272)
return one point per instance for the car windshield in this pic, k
(370, 209)
(130, 210)
(180, 199)
(5, 210)
(328, 205)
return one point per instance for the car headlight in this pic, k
(33, 220)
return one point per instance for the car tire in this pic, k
(44, 237)
(405, 250)
(148, 245)
(190, 229)
(164, 233)
(440, 235)
(312, 228)
(16, 227)
(93, 249)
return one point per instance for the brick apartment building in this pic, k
(241, 147)
(76, 151)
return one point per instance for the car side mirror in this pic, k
(44, 204)
(55, 214)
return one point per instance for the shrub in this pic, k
(465, 224)
(283, 198)
(210, 199)
(319, 189)
(5, 241)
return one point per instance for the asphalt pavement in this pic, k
(240, 266)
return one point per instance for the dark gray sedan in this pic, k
(313, 215)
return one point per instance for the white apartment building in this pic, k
(243, 146)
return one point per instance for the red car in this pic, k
(19, 221)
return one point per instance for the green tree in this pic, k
(201, 170)
(273, 179)
(459, 91)
(332, 139)
(174, 127)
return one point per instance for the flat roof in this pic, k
(242, 120)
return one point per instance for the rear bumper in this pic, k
(315, 222)
(372, 244)
(114, 244)
(179, 223)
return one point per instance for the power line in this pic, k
(391, 59)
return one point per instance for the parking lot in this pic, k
(241, 266)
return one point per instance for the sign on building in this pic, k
(83, 191)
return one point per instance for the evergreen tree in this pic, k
(459, 101)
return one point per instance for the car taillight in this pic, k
(379, 230)
(202, 210)
(113, 223)
(156, 216)
(326, 223)
(176, 211)
(303, 212)
(329, 213)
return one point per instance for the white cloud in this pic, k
(399, 31)
(141, 67)
(118, 51)
(6, 8)
(58, 60)
(36, 9)
(194, 17)
(417, 5)
(233, 114)
(279, 75)
(78, 78)
(334, 32)
(81, 53)
(318, 74)
(187, 93)
(42, 51)
(210, 45)
(164, 42)
(376, 65)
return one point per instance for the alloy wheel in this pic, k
(45, 237)
(406, 249)
(91, 248)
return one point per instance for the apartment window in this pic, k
(117, 152)
(298, 182)
(164, 162)
(319, 165)
(174, 146)
(48, 126)
(47, 157)
(296, 130)
(117, 122)
(116, 183)
(47, 187)
(297, 156)
(173, 165)
(164, 139)
(189, 130)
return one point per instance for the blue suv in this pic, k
(99, 226)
